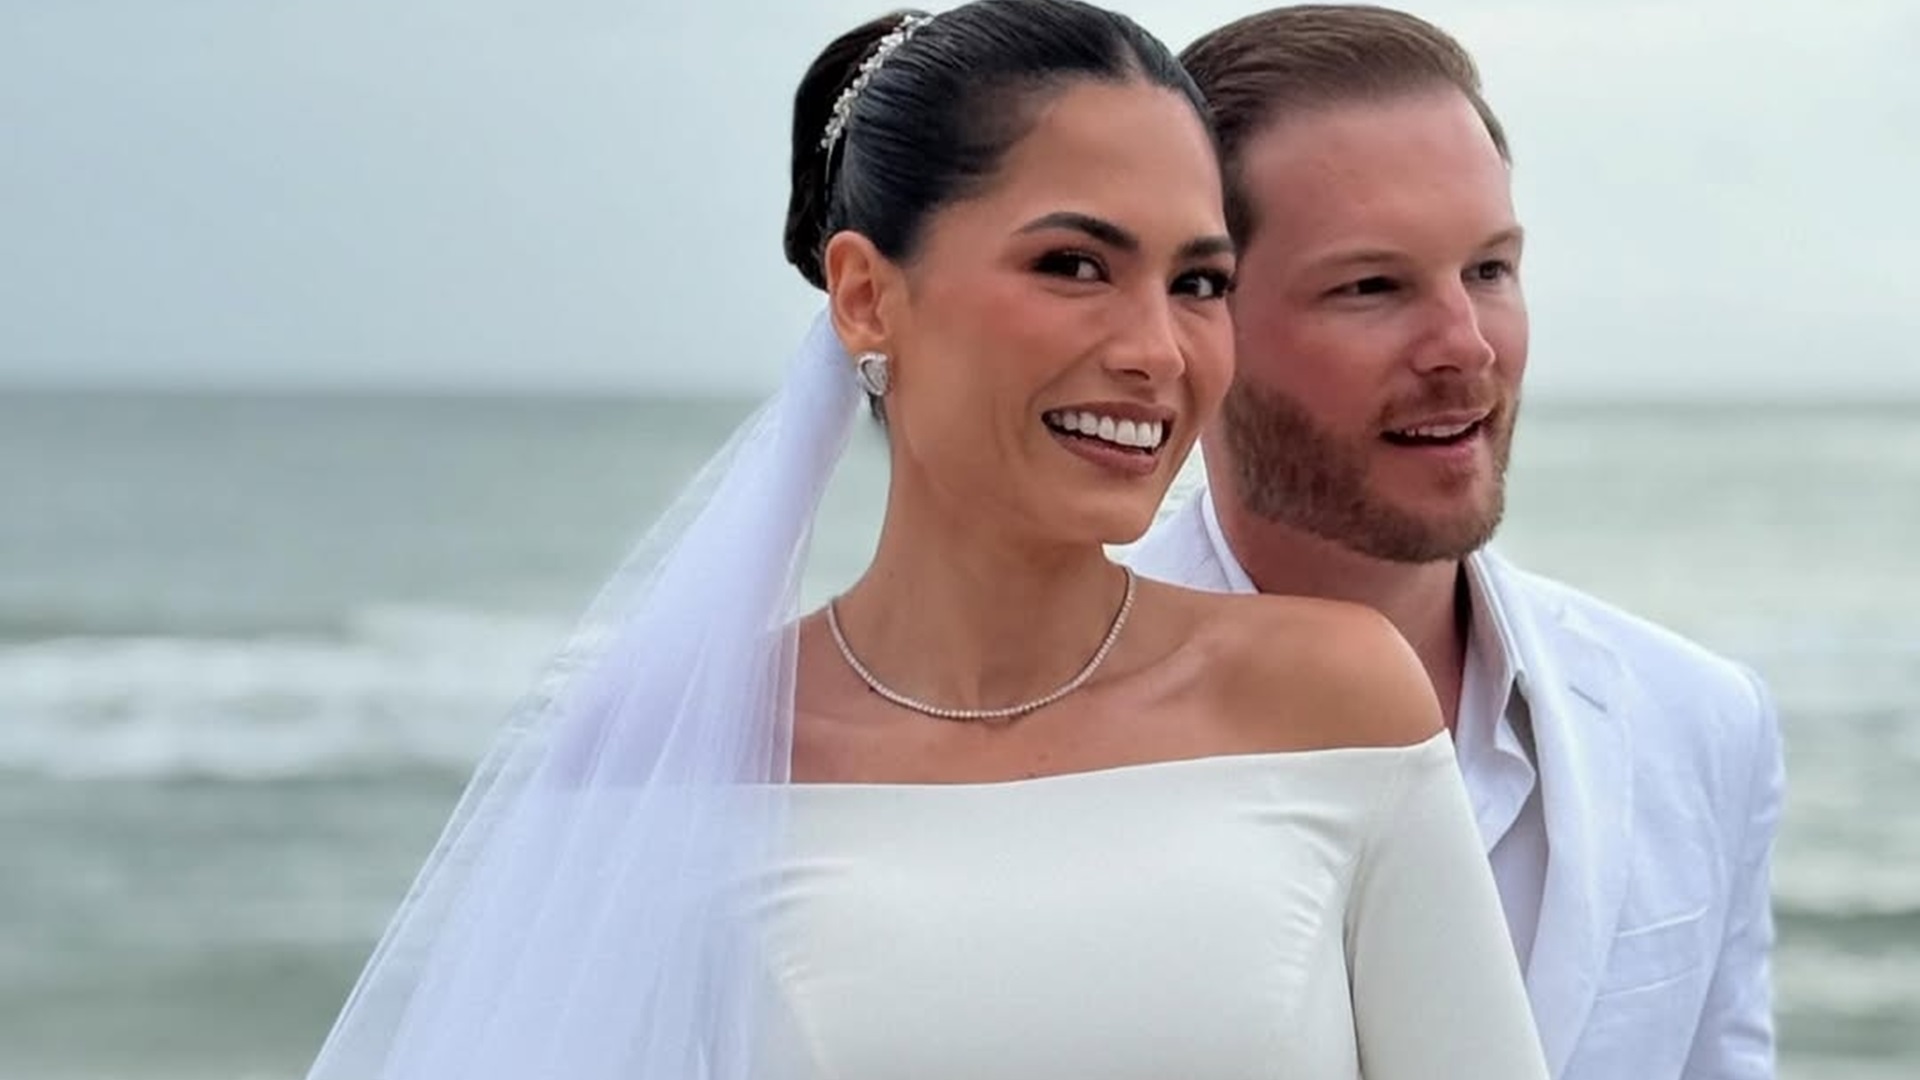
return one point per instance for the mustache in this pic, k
(1446, 395)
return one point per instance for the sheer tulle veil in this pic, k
(581, 916)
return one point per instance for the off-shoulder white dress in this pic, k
(1319, 915)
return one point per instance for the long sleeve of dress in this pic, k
(1437, 993)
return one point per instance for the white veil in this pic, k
(579, 918)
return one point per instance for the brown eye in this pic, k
(1076, 265)
(1205, 284)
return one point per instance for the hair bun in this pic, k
(813, 107)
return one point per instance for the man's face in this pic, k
(1380, 329)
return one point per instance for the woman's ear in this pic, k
(863, 288)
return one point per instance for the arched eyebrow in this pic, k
(1116, 236)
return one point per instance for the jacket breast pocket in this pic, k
(1657, 954)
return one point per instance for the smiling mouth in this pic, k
(1449, 434)
(1136, 436)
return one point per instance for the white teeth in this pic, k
(1139, 434)
(1440, 432)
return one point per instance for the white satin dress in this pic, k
(1320, 915)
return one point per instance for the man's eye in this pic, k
(1368, 286)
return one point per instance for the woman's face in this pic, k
(1060, 337)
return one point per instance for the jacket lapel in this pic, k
(1574, 687)
(1572, 683)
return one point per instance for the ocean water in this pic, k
(249, 648)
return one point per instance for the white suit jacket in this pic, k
(1661, 777)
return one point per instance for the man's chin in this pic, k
(1412, 538)
(1458, 539)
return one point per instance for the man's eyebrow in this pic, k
(1378, 256)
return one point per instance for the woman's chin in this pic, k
(1117, 525)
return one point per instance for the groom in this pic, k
(1627, 782)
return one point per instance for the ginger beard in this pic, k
(1289, 469)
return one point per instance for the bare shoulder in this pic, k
(1302, 673)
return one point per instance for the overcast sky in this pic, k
(1723, 195)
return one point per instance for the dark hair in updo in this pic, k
(935, 120)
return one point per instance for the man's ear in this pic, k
(864, 288)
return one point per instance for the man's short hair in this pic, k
(1259, 70)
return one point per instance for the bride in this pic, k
(1000, 811)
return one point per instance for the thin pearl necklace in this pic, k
(1008, 712)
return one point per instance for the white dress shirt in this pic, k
(1493, 744)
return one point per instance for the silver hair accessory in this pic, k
(843, 105)
(875, 376)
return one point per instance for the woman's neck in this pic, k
(961, 613)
